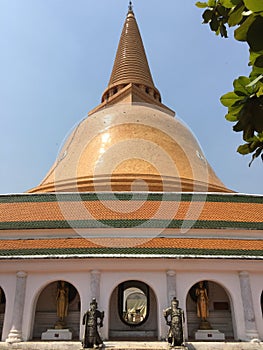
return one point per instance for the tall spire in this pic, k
(131, 65)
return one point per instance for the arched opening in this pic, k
(218, 314)
(133, 312)
(50, 306)
(2, 310)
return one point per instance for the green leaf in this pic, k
(240, 84)
(256, 110)
(248, 132)
(241, 93)
(218, 31)
(254, 5)
(223, 11)
(201, 5)
(229, 99)
(241, 32)
(236, 2)
(244, 149)
(260, 136)
(207, 15)
(254, 142)
(253, 56)
(214, 24)
(260, 92)
(211, 3)
(254, 34)
(238, 127)
(235, 110)
(256, 71)
(259, 61)
(231, 117)
(236, 16)
(227, 3)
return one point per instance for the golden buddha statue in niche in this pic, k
(202, 305)
(62, 303)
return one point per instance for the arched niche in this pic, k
(219, 310)
(133, 312)
(46, 312)
(2, 310)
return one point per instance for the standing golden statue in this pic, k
(62, 303)
(202, 301)
(202, 305)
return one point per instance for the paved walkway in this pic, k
(111, 345)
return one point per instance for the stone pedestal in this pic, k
(57, 334)
(205, 325)
(211, 334)
(14, 336)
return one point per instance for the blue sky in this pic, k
(56, 59)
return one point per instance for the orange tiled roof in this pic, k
(108, 247)
(156, 210)
(48, 211)
(108, 212)
(176, 243)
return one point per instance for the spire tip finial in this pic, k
(130, 6)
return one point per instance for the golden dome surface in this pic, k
(131, 147)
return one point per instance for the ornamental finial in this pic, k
(130, 6)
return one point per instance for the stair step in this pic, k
(110, 345)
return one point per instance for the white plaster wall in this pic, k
(115, 271)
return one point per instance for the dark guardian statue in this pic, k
(92, 319)
(174, 317)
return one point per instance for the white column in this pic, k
(95, 285)
(171, 285)
(249, 315)
(170, 294)
(15, 334)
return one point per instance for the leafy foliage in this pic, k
(245, 103)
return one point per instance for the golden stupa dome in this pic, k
(131, 141)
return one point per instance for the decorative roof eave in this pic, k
(255, 255)
(131, 93)
(232, 197)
